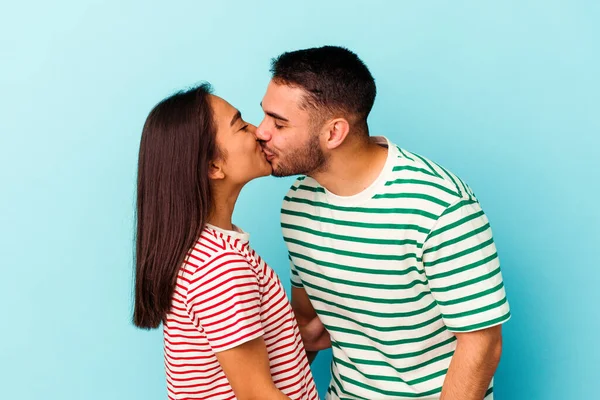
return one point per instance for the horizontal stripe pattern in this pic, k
(225, 296)
(392, 272)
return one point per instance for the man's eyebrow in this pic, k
(273, 115)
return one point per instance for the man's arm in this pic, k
(463, 270)
(313, 332)
(473, 365)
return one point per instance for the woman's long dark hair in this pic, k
(173, 196)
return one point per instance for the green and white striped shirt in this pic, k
(392, 272)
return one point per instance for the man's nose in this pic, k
(262, 133)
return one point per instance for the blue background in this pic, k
(505, 94)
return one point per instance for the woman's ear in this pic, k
(215, 170)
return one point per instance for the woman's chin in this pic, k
(268, 171)
(264, 170)
(267, 168)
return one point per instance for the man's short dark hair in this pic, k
(335, 80)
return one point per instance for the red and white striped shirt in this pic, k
(225, 296)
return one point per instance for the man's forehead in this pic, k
(284, 97)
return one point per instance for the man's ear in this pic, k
(337, 131)
(215, 170)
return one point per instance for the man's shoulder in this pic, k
(416, 173)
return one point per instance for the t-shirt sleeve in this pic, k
(463, 269)
(294, 277)
(223, 299)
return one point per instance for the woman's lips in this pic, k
(270, 156)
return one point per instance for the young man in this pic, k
(389, 251)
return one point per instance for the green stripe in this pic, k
(400, 370)
(405, 314)
(381, 328)
(355, 224)
(391, 378)
(465, 268)
(429, 165)
(458, 239)
(411, 168)
(339, 385)
(471, 297)
(390, 392)
(366, 210)
(449, 175)
(489, 391)
(475, 311)
(395, 272)
(467, 283)
(381, 286)
(404, 154)
(459, 254)
(403, 195)
(481, 325)
(388, 257)
(309, 189)
(455, 224)
(421, 182)
(396, 356)
(386, 342)
(354, 239)
(374, 300)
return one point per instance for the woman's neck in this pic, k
(223, 205)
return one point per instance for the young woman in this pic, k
(229, 330)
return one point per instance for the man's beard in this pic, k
(303, 161)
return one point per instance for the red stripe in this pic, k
(239, 339)
(209, 240)
(195, 357)
(195, 257)
(194, 366)
(222, 269)
(182, 329)
(208, 268)
(208, 374)
(230, 307)
(238, 321)
(222, 288)
(242, 309)
(238, 329)
(195, 393)
(226, 317)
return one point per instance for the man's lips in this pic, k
(270, 156)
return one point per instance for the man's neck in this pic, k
(352, 169)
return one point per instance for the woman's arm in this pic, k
(248, 371)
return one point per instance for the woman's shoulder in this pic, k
(212, 250)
